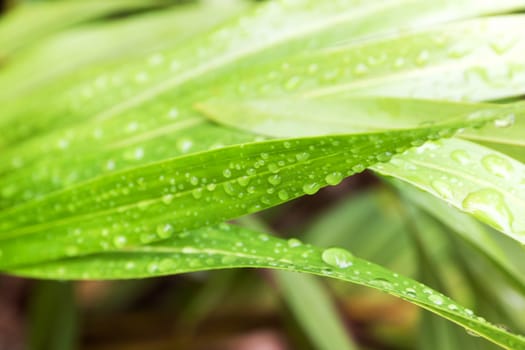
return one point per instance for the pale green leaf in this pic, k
(100, 42)
(32, 21)
(475, 179)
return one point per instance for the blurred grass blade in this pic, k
(311, 306)
(100, 42)
(228, 246)
(52, 323)
(152, 202)
(32, 21)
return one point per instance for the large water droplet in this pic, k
(120, 241)
(274, 179)
(294, 242)
(489, 206)
(338, 257)
(460, 156)
(283, 195)
(436, 299)
(498, 166)
(167, 198)
(506, 121)
(311, 188)
(334, 178)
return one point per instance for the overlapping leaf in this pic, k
(152, 202)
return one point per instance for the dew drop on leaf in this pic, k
(283, 195)
(294, 242)
(489, 206)
(227, 173)
(460, 156)
(498, 166)
(442, 188)
(164, 230)
(334, 178)
(436, 299)
(119, 241)
(505, 122)
(274, 179)
(167, 198)
(311, 188)
(337, 257)
(381, 283)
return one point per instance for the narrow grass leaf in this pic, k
(152, 202)
(228, 246)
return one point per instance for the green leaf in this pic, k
(475, 179)
(32, 21)
(149, 203)
(276, 30)
(53, 319)
(100, 42)
(229, 246)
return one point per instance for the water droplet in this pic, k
(436, 299)
(165, 230)
(489, 206)
(167, 198)
(337, 257)
(302, 156)
(274, 179)
(311, 188)
(153, 267)
(227, 173)
(283, 195)
(498, 166)
(381, 283)
(442, 189)
(411, 292)
(243, 181)
(506, 121)
(453, 307)
(460, 156)
(197, 193)
(334, 178)
(472, 333)
(292, 83)
(211, 187)
(228, 188)
(422, 58)
(294, 242)
(502, 44)
(360, 69)
(120, 241)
